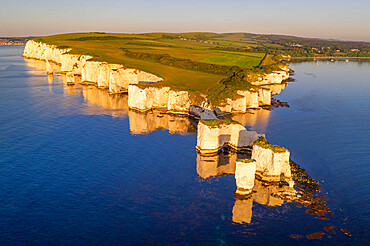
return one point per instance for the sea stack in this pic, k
(214, 134)
(272, 161)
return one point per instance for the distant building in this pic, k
(13, 41)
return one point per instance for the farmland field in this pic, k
(193, 48)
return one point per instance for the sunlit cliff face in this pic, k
(119, 79)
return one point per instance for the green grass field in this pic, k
(195, 47)
(243, 61)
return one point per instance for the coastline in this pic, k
(144, 93)
(324, 57)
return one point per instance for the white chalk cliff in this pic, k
(113, 76)
(118, 78)
(276, 77)
(215, 134)
(271, 164)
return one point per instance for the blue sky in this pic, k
(348, 20)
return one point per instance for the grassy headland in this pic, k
(208, 63)
(185, 61)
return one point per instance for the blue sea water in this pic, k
(78, 168)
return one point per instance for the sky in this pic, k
(334, 19)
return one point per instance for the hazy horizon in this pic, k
(278, 34)
(339, 20)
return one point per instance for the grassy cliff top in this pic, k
(219, 122)
(262, 142)
(186, 61)
(246, 160)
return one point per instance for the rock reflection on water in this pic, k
(70, 90)
(38, 67)
(142, 123)
(220, 164)
(276, 88)
(242, 210)
(254, 117)
(305, 194)
(116, 105)
(100, 97)
(263, 193)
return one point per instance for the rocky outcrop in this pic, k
(202, 113)
(272, 161)
(215, 134)
(143, 98)
(276, 77)
(121, 78)
(178, 101)
(237, 105)
(244, 175)
(70, 77)
(73, 63)
(264, 96)
(90, 71)
(247, 99)
(250, 97)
